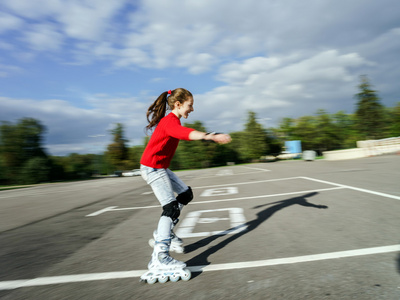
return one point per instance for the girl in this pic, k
(154, 168)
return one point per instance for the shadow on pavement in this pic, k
(262, 216)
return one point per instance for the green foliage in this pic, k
(393, 120)
(74, 166)
(345, 130)
(192, 154)
(20, 143)
(305, 131)
(370, 113)
(23, 160)
(135, 153)
(254, 140)
(117, 152)
(286, 129)
(35, 170)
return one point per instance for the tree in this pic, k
(35, 170)
(192, 154)
(306, 131)
(286, 129)
(326, 135)
(135, 153)
(20, 143)
(253, 141)
(345, 130)
(370, 112)
(117, 152)
(394, 120)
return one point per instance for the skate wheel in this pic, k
(180, 250)
(174, 278)
(151, 280)
(163, 279)
(186, 275)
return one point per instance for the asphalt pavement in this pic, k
(281, 230)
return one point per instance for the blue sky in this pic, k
(80, 66)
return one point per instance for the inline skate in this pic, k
(163, 267)
(176, 242)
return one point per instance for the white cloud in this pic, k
(78, 19)
(275, 87)
(33, 9)
(9, 22)
(198, 35)
(7, 70)
(278, 58)
(71, 125)
(87, 20)
(42, 37)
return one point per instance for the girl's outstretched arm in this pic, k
(219, 138)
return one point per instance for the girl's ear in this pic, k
(177, 104)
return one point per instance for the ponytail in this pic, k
(158, 109)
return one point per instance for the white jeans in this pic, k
(164, 184)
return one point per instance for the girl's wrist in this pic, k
(209, 136)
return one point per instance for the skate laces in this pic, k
(165, 259)
(176, 238)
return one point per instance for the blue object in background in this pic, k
(293, 146)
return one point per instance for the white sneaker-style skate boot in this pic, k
(163, 267)
(176, 242)
(161, 259)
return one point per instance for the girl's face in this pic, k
(183, 110)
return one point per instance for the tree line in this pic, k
(23, 159)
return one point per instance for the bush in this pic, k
(35, 170)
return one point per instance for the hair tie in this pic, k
(169, 92)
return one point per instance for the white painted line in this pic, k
(139, 207)
(236, 218)
(354, 188)
(222, 200)
(9, 285)
(96, 213)
(297, 259)
(237, 174)
(267, 196)
(229, 190)
(147, 193)
(264, 170)
(249, 182)
(225, 172)
(41, 281)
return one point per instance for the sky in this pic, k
(81, 66)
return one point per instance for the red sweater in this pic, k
(164, 141)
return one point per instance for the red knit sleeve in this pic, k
(176, 130)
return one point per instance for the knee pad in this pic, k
(185, 197)
(171, 210)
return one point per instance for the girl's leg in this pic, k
(161, 185)
(179, 188)
(178, 185)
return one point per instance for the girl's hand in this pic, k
(221, 138)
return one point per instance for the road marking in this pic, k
(230, 190)
(238, 183)
(96, 213)
(258, 170)
(296, 259)
(111, 208)
(264, 170)
(354, 188)
(148, 193)
(237, 221)
(41, 281)
(248, 182)
(226, 172)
